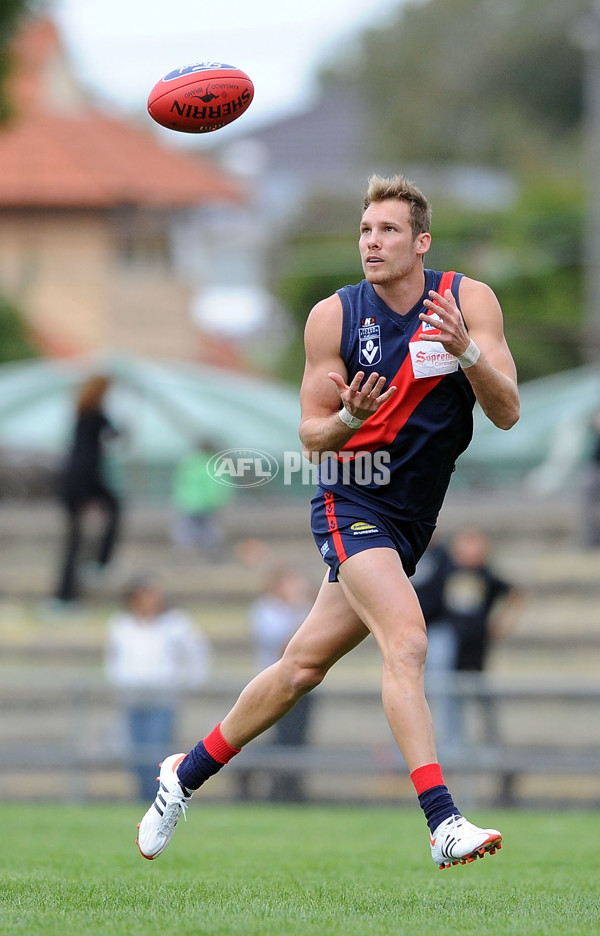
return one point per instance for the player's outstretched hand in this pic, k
(362, 401)
(445, 316)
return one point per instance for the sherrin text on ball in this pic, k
(200, 97)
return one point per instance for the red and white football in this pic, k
(200, 97)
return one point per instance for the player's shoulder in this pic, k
(326, 314)
(331, 305)
(479, 304)
(475, 289)
(323, 331)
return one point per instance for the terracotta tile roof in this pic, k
(49, 158)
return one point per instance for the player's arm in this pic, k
(325, 386)
(494, 375)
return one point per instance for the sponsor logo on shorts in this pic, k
(361, 527)
(324, 548)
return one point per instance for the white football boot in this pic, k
(156, 829)
(456, 840)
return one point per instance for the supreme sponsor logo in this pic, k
(431, 359)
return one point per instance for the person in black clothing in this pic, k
(471, 593)
(442, 640)
(465, 598)
(83, 485)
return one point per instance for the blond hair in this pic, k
(397, 186)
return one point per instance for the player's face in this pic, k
(388, 250)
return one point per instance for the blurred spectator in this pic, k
(467, 606)
(83, 485)
(274, 617)
(442, 639)
(153, 654)
(198, 500)
(591, 488)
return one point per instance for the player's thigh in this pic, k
(331, 629)
(378, 589)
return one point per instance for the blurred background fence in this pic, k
(60, 731)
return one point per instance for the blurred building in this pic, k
(90, 210)
(320, 150)
(324, 152)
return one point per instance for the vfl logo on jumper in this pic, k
(370, 344)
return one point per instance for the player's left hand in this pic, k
(445, 316)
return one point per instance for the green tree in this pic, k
(494, 81)
(11, 12)
(531, 255)
(15, 344)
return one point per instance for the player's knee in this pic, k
(302, 678)
(409, 653)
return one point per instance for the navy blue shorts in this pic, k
(342, 528)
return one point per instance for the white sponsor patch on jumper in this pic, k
(430, 359)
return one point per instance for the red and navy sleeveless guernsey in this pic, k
(417, 435)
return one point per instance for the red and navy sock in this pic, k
(434, 798)
(205, 759)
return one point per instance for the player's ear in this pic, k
(423, 242)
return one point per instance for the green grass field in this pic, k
(276, 871)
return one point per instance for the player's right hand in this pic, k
(363, 401)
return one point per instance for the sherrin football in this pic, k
(200, 97)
